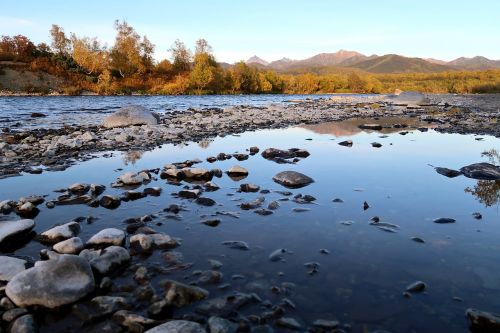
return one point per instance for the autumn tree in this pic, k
(18, 48)
(204, 68)
(181, 57)
(245, 78)
(60, 43)
(89, 54)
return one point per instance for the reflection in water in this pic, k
(351, 126)
(132, 156)
(204, 143)
(487, 191)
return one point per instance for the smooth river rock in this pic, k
(11, 229)
(10, 266)
(131, 115)
(60, 232)
(292, 179)
(111, 258)
(178, 326)
(52, 283)
(482, 171)
(107, 237)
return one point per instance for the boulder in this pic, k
(110, 259)
(147, 243)
(197, 174)
(178, 326)
(292, 179)
(60, 232)
(179, 294)
(481, 321)
(107, 237)
(131, 115)
(130, 179)
(70, 246)
(237, 171)
(221, 325)
(10, 266)
(11, 229)
(24, 324)
(482, 171)
(52, 283)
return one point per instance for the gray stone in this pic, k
(107, 237)
(482, 171)
(11, 229)
(150, 242)
(178, 326)
(292, 179)
(179, 294)
(221, 325)
(12, 314)
(131, 115)
(10, 266)
(24, 324)
(52, 283)
(110, 259)
(60, 233)
(481, 321)
(70, 246)
(408, 98)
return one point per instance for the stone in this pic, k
(10, 266)
(111, 258)
(237, 171)
(224, 305)
(346, 143)
(24, 324)
(178, 326)
(204, 201)
(131, 115)
(79, 188)
(211, 222)
(482, 171)
(70, 246)
(292, 179)
(416, 287)
(99, 307)
(130, 179)
(179, 295)
(288, 322)
(60, 233)
(52, 283)
(110, 201)
(97, 189)
(133, 322)
(408, 98)
(12, 314)
(481, 321)
(107, 237)
(271, 153)
(150, 242)
(197, 174)
(326, 324)
(221, 325)
(444, 220)
(9, 230)
(249, 188)
(450, 173)
(239, 245)
(189, 194)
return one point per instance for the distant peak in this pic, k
(256, 60)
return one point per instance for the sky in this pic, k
(274, 29)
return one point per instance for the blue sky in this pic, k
(274, 29)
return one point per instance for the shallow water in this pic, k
(361, 281)
(90, 110)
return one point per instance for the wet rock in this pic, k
(133, 195)
(111, 258)
(376, 145)
(326, 324)
(197, 174)
(481, 321)
(107, 237)
(278, 254)
(221, 325)
(338, 200)
(24, 324)
(52, 283)
(249, 188)
(150, 242)
(211, 186)
(38, 115)
(10, 266)
(253, 150)
(289, 323)
(292, 179)
(300, 210)
(210, 277)
(217, 173)
(79, 188)
(172, 173)
(152, 191)
(477, 215)
(12, 314)
(70, 246)
(133, 322)
(131, 115)
(237, 171)
(347, 143)
(444, 220)
(10, 230)
(273, 205)
(60, 233)
(271, 153)
(130, 179)
(224, 305)
(263, 212)
(26, 209)
(180, 295)
(240, 157)
(178, 326)
(211, 222)
(215, 264)
(256, 203)
(373, 127)
(482, 171)
(109, 201)
(189, 194)
(239, 245)
(418, 240)
(204, 201)
(450, 173)
(416, 287)
(100, 307)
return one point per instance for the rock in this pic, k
(418, 240)
(204, 201)
(133, 322)
(241, 157)
(130, 179)
(237, 171)
(24, 324)
(376, 145)
(197, 174)
(292, 179)
(131, 115)
(482, 171)
(347, 143)
(239, 245)
(78, 200)
(249, 188)
(277, 255)
(271, 153)
(211, 222)
(9, 230)
(150, 242)
(253, 150)
(224, 305)
(10, 266)
(256, 203)
(152, 191)
(110, 259)
(172, 173)
(450, 173)
(365, 205)
(416, 287)
(211, 186)
(210, 277)
(79, 188)
(189, 194)
(107, 237)
(37, 115)
(12, 314)
(263, 212)
(373, 127)
(99, 307)
(289, 323)
(60, 233)
(408, 98)
(180, 295)
(52, 283)
(70, 246)
(109, 201)
(26, 209)
(221, 325)
(178, 326)
(444, 220)
(481, 321)
(477, 215)
(273, 205)
(215, 264)
(326, 324)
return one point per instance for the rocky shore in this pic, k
(37, 150)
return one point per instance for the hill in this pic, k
(476, 63)
(392, 63)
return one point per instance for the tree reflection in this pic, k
(487, 191)
(204, 143)
(132, 156)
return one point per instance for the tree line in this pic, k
(128, 66)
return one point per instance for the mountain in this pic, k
(476, 63)
(257, 60)
(393, 63)
(282, 63)
(436, 61)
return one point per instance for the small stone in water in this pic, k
(338, 200)
(324, 251)
(366, 205)
(416, 287)
(417, 239)
(300, 209)
(477, 215)
(239, 245)
(444, 220)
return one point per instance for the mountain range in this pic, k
(389, 63)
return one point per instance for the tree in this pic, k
(203, 72)
(89, 54)
(245, 78)
(18, 48)
(60, 43)
(181, 57)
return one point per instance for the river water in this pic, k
(361, 280)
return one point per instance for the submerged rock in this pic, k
(450, 173)
(239, 245)
(131, 115)
(52, 283)
(70, 246)
(180, 295)
(224, 305)
(416, 287)
(292, 179)
(444, 220)
(150, 242)
(178, 326)
(482, 171)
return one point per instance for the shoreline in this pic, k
(57, 149)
